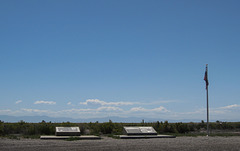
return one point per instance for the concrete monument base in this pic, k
(67, 137)
(144, 136)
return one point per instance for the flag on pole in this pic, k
(206, 80)
(206, 77)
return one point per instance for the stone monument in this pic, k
(67, 131)
(139, 131)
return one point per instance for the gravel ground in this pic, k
(106, 143)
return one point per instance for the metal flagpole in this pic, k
(206, 79)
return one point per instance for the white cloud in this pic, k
(213, 111)
(19, 101)
(160, 109)
(228, 112)
(226, 109)
(160, 102)
(78, 110)
(36, 110)
(91, 113)
(45, 102)
(198, 111)
(231, 106)
(141, 109)
(5, 111)
(109, 108)
(97, 101)
(136, 109)
(102, 109)
(103, 103)
(69, 103)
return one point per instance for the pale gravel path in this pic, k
(105, 144)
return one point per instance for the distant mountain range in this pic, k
(37, 119)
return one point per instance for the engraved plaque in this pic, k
(67, 131)
(139, 131)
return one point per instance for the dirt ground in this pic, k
(110, 144)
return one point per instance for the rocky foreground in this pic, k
(106, 143)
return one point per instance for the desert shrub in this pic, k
(192, 126)
(237, 124)
(1, 128)
(226, 125)
(169, 128)
(83, 127)
(94, 128)
(182, 127)
(202, 125)
(48, 128)
(45, 128)
(117, 129)
(158, 126)
(107, 128)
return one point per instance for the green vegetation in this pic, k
(34, 130)
(72, 138)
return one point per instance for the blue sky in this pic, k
(88, 59)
